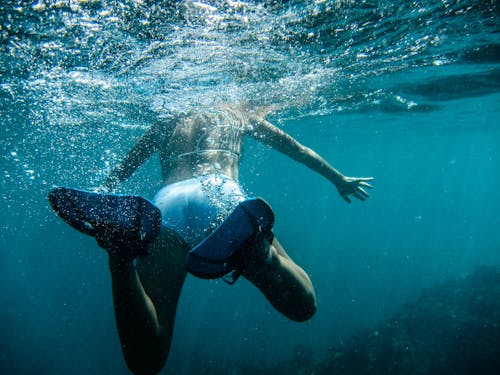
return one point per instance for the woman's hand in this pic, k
(354, 186)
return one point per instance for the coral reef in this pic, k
(452, 328)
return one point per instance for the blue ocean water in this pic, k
(407, 92)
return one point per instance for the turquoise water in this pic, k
(405, 92)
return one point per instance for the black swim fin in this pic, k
(220, 253)
(121, 224)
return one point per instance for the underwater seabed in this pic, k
(452, 328)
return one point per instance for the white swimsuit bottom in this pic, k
(194, 208)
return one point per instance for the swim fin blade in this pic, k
(217, 254)
(121, 224)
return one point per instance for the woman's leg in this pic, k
(145, 300)
(283, 282)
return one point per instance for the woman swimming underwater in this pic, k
(200, 221)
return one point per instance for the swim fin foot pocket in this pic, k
(122, 224)
(227, 250)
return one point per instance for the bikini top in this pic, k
(200, 152)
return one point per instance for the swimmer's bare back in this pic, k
(191, 145)
(201, 144)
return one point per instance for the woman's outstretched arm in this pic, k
(271, 135)
(145, 146)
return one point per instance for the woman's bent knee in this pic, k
(144, 367)
(304, 311)
(146, 362)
